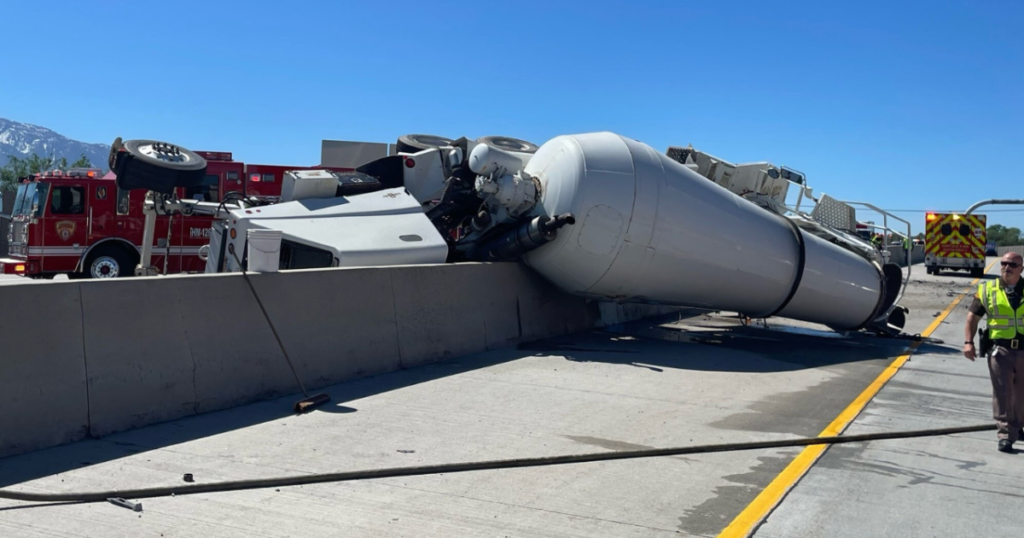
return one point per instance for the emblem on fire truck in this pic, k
(65, 228)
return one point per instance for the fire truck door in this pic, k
(65, 227)
(100, 223)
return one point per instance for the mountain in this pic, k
(22, 140)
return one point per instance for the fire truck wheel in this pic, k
(109, 263)
(509, 144)
(413, 143)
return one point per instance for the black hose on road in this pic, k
(144, 493)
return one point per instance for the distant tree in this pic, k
(1003, 236)
(82, 162)
(17, 167)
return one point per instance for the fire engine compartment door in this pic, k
(100, 213)
(65, 227)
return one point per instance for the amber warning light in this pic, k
(931, 216)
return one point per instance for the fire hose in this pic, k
(369, 474)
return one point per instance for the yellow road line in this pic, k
(763, 504)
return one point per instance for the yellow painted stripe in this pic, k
(764, 503)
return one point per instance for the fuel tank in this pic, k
(650, 230)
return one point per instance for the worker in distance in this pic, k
(1002, 343)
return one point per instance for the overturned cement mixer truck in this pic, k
(599, 215)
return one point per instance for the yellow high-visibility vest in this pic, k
(1003, 322)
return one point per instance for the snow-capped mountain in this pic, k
(22, 140)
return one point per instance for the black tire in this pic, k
(157, 166)
(509, 144)
(165, 155)
(414, 143)
(109, 262)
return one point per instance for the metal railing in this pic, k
(905, 240)
(852, 240)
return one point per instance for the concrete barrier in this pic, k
(43, 392)
(89, 358)
(160, 349)
(1001, 251)
(898, 255)
(337, 324)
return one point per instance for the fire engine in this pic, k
(955, 241)
(80, 223)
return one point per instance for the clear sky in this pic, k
(906, 104)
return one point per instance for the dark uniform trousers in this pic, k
(1006, 368)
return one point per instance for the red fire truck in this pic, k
(79, 223)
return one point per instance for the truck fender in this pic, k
(85, 255)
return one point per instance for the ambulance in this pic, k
(955, 241)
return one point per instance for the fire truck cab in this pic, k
(79, 223)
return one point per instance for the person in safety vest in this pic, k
(1001, 300)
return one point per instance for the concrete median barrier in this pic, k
(444, 312)
(164, 348)
(89, 358)
(43, 398)
(898, 255)
(337, 324)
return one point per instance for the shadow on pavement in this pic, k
(735, 349)
(59, 459)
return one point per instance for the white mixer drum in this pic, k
(650, 230)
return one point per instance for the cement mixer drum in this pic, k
(649, 229)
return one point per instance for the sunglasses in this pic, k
(1011, 265)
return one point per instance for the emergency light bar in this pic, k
(85, 172)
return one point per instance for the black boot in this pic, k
(1005, 446)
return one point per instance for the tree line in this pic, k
(1003, 236)
(18, 167)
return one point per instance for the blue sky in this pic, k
(909, 105)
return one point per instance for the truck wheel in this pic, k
(154, 165)
(509, 144)
(109, 263)
(414, 143)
